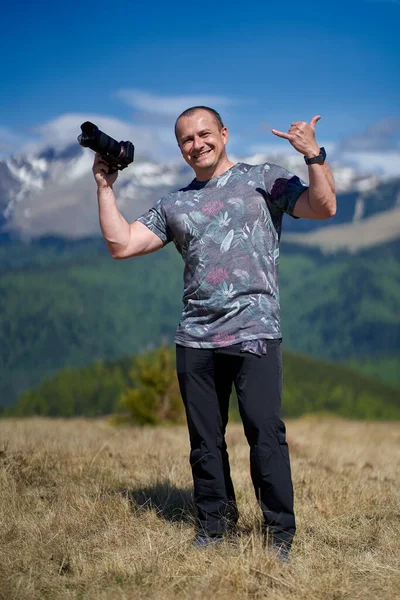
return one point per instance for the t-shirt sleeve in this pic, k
(155, 219)
(284, 188)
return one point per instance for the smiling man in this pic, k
(226, 224)
(202, 138)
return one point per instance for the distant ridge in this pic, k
(310, 385)
(53, 192)
(352, 237)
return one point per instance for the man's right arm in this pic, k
(123, 239)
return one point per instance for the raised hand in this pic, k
(100, 172)
(302, 136)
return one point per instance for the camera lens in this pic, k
(89, 128)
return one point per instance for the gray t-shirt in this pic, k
(227, 230)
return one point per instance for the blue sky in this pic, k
(133, 67)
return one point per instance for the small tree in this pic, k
(154, 396)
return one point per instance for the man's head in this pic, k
(201, 137)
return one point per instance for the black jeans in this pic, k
(205, 378)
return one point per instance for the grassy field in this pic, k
(90, 510)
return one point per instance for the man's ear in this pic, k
(225, 135)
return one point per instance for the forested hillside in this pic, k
(67, 303)
(310, 386)
(342, 306)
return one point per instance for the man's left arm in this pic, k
(319, 200)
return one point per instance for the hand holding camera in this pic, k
(101, 172)
(111, 156)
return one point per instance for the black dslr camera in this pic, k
(117, 154)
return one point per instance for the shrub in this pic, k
(154, 396)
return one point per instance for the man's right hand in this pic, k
(100, 172)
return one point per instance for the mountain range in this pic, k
(65, 302)
(52, 192)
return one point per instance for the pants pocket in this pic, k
(283, 443)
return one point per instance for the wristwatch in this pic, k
(320, 159)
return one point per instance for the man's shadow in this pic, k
(170, 502)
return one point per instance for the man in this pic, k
(226, 224)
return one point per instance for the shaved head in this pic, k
(189, 112)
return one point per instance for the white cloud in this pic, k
(374, 150)
(157, 141)
(283, 148)
(64, 130)
(382, 163)
(151, 130)
(170, 106)
(8, 136)
(270, 148)
(380, 135)
(10, 141)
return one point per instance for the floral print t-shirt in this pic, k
(227, 230)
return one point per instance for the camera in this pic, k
(117, 154)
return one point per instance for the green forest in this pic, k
(144, 389)
(66, 303)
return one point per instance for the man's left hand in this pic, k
(302, 136)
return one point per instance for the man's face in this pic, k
(201, 141)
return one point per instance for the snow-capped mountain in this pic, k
(53, 192)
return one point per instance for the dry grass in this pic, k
(92, 511)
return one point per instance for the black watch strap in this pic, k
(319, 159)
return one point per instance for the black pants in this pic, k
(205, 378)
